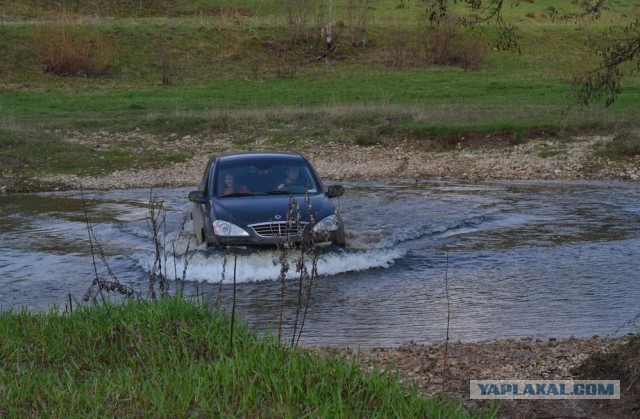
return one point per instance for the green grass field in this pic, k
(172, 358)
(201, 66)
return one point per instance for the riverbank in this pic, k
(178, 358)
(481, 158)
(526, 359)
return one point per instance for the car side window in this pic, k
(205, 181)
(210, 179)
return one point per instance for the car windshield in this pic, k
(264, 176)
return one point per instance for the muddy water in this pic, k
(519, 258)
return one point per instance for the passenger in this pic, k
(291, 177)
(230, 186)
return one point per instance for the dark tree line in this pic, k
(619, 54)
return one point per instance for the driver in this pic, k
(290, 178)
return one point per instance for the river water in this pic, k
(541, 259)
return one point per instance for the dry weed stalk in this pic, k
(233, 304)
(306, 280)
(632, 322)
(158, 219)
(100, 283)
(222, 276)
(284, 242)
(181, 233)
(308, 252)
(445, 363)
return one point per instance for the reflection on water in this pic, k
(521, 258)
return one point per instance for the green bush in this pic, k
(623, 145)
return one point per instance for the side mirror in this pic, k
(335, 191)
(197, 197)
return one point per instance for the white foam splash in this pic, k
(260, 266)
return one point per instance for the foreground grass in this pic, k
(173, 358)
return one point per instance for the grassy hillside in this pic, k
(249, 66)
(382, 10)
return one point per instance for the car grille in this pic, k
(277, 229)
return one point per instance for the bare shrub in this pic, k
(310, 32)
(438, 47)
(165, 62)
(66, 49)
(284, 58)
(406, 49)
(398, 52)
(470, 53)
(445, 47)
(357, 20)
(255, 65)
(298, 12)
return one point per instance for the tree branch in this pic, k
(604, 81)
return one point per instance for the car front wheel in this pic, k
(339, 240)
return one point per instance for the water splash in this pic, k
(262, 265)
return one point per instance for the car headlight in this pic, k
(225, 228)
(327, 224)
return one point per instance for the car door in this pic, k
(199, 211)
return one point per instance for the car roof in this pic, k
(253, 155)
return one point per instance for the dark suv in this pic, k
(250, 199)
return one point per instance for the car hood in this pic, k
(263, 209)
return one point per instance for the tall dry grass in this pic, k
(66, 48)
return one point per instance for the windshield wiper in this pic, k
(232, 195)
(279, 192)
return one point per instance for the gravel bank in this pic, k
(571, 158)
(526, 358)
